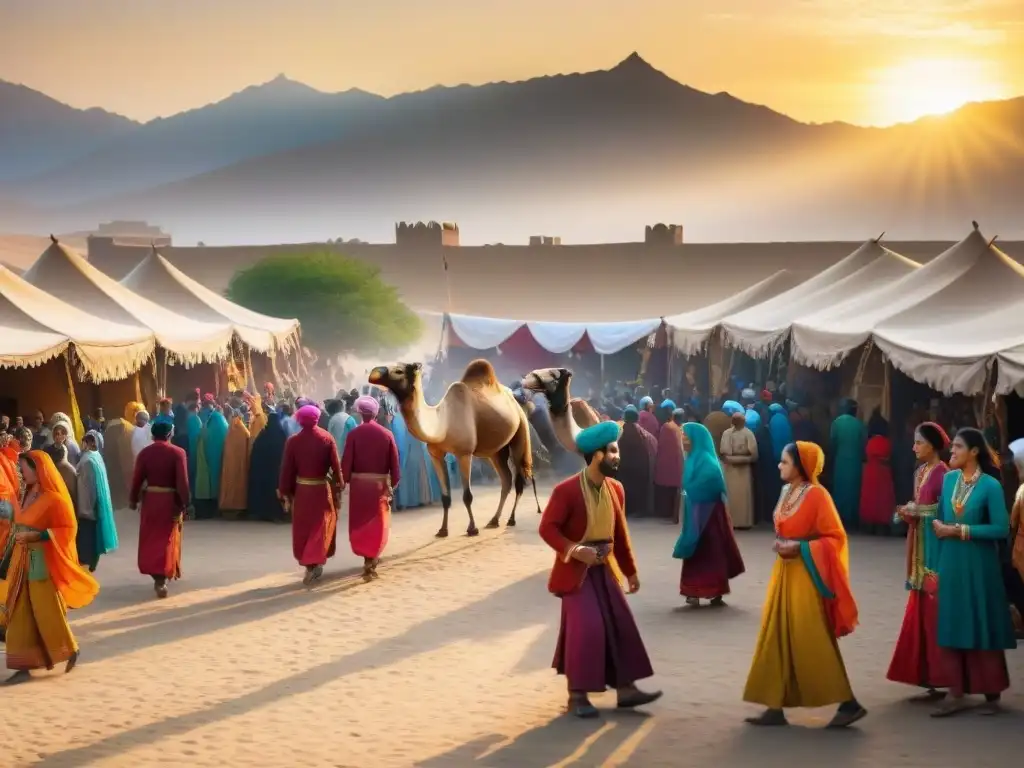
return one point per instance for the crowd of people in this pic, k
(957, 626)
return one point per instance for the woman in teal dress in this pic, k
(848, 439)
(974, 624)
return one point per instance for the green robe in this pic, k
(974, 613)
(849, 436)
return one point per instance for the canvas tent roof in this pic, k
(691, 330)
(607, 338)
(760, 328)
(178, 292)
(31, 322)
(910, 319)
(67, 276)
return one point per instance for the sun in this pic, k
(916, 88)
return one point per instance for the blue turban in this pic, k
(753, 420)
(729, 407)
(668, 404)
(630, 414)
(645, 401)
(595, 438)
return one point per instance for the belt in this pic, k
(160, 489)
(311, 481)
(369, 476)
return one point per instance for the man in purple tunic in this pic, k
(668, 465)
(599, 644)
(370, 466)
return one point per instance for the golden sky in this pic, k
(863, 61)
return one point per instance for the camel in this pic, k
(476, 417)
(569, 415)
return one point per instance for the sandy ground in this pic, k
(444, 663)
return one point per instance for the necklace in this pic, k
(923, 473)
(792, 500)
(963, 490)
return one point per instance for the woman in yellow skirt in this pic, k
(42, 575)
(809, 605)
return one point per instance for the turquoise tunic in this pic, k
(849, 435)
(974, 613)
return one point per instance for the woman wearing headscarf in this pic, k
(974, 625)
(668, 467)
(311, 485)
(646, 419)
(739, 456)
(209, 458)
(97, 529)
(706, 544)
(64, 434)
(916, 659)
(265, 471)
(117, 454)
(809, 604)
(43, 576)
(234, 475)
(10, 497)
(780, 428)
(877, 491)
(638, 451)
(848, 437)
(257, 416)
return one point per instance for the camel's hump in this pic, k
(480, 374)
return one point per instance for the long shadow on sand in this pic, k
(499, 613)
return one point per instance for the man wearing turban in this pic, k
(372, 471)
(646, 417)
(599, 644)
(160, 484)
(311, 486)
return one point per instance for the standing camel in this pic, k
(476, 417)
(569, 415)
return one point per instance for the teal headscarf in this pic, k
(106, 527)
(703, 488)
(729, 407)
(595, 438)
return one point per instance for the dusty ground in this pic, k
(444, 663)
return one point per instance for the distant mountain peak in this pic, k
(636, 64)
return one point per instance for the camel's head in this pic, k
(401, 378)
(553, 383)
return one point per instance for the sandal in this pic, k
(951, 707)
(637, 698)
(693, 602)
(846, 718)
(580, 706)
(769, 717)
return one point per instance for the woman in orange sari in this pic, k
(809, 605)
(42, 574)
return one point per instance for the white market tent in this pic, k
(692, 330)
(557, 337)
(760, 329)
(36, 327)
(179, 293)
(70, 278)
(943, 324)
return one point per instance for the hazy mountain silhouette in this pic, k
(590, 157)
(259, 120)
(38, 133)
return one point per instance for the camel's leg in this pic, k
(500, 464)
(465, 470)
(441, 467)
(519, 454)
(533, 482)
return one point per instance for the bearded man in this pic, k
(599, 645)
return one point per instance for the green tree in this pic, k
(342, 304)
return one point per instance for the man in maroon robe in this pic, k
(310, 487)
(371, 470)
(668, 466)
(646, 418)
(160, 482)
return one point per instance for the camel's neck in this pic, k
(565, 426)
(425, 422)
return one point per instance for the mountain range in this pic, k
(588, 157)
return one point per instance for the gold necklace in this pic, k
(963, 490)
(923, 473)
(792, 500)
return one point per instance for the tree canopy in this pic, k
(342, 304)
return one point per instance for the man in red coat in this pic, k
(310, 486)
(371, 470)
(599, 645)
(160, 482)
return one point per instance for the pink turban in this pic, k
(367, 406)
(307, 416)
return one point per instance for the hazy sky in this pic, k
(864, 61)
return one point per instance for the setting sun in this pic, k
(918, 87)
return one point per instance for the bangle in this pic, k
(960, 532)
(967, 533)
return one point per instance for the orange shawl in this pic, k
(823, 544)
(53, 511)
(9, 487)
(10, 472)
(234, 473)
